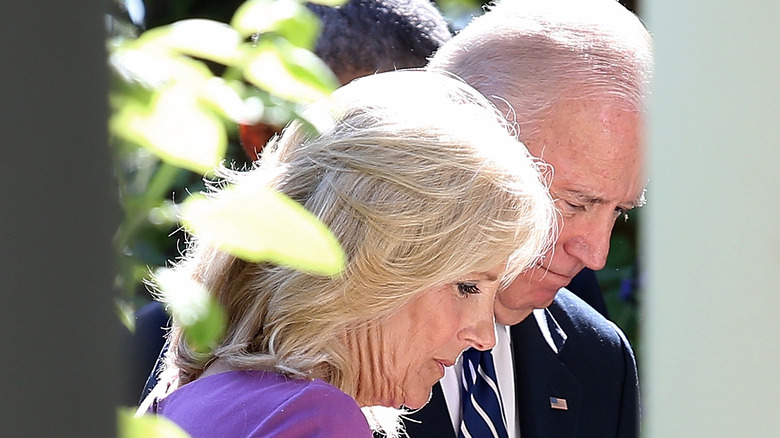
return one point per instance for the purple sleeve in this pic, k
(319, 411)
(242, 404)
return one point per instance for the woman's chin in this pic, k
(415, 403)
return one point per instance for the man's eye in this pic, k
(569, 207)
(467, 289)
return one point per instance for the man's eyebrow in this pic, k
(584, 197)
(595, 200)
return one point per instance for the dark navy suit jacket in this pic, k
(595, 372)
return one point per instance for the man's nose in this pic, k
(590, 244)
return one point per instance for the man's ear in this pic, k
(254, 137)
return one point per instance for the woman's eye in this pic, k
(467, 289)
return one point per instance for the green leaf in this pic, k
(201, 317)
(288, 18)
(258, 224)
(206, 39)
(153, 66)
(147, 426)
(289, 72)
(126, 316)
(176, 128)
(227, 99)
(207, 331)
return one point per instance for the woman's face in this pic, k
(405, 355)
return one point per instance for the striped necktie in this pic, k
(483, 413)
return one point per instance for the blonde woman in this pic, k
(436, 207)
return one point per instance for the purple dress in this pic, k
(237, 404)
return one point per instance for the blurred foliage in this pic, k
(620, 279)
(130, 426)
(177, 92)
(460, 12)
(259, 225)
(171, 113)
(194, 308)
(153, 185)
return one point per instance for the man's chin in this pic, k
(544, 297)
(511, 316)
(515, 303)
(540, 299)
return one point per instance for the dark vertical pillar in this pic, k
(60, 370)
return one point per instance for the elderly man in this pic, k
(572, 75)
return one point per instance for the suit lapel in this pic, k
(553, 333)
(539, 376)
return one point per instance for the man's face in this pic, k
(595, 149)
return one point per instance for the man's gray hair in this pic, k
(528, 55)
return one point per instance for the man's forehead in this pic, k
(591, 190)
(593, 114)
(592, 139)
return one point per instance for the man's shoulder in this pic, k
(568, 307)
(579, 319)
(594, 370)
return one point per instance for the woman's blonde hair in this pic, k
(420, 180)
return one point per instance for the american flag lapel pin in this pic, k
(558, 403)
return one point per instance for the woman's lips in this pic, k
(443, 364)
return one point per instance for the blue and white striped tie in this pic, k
(483, 413)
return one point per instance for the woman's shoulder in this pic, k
(319, 409)
(256, 403)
